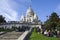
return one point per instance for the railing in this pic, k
(25, 35)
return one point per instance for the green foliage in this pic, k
(52, 22)
(7, 29)
(2, 19)
(58, 24)
(1, 29)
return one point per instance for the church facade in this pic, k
(30, 16)
(29, 20)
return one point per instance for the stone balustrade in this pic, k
(25, 35)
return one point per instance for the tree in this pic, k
(58, 25)
(2, 19)
(52, 22)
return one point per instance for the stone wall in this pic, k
(25, 35)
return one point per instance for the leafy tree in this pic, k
(2, 19)
(58, 25)
(52, 22)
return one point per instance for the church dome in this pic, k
(29, 12)
(22, 18)
(35, 16)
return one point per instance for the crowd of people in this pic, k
(48, 33)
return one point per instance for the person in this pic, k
(58, 34)
(55, 32)
(41, 31)
(50, 33)
(45, 32)
(38, 30)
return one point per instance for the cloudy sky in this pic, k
(13, 9)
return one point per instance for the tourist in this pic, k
(49, 33)
(55, 32)
(58, 34)
(45, 32)
(38, 30)
(41, 31)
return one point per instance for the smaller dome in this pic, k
(29, 11)
(35, 16)
(22, 18)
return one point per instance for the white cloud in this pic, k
(25, 0)
(7, 11)
(8, 8)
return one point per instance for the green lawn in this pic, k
(36, 36)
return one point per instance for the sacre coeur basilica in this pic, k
(28, 20)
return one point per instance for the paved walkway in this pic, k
(11, 36)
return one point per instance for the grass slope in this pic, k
(36, 36)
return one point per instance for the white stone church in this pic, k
(30, 16)
(30, 20)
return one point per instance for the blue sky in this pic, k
(13, 9)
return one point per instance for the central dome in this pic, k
(29, 12)
(30, 16)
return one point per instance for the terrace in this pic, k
(11, 36)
